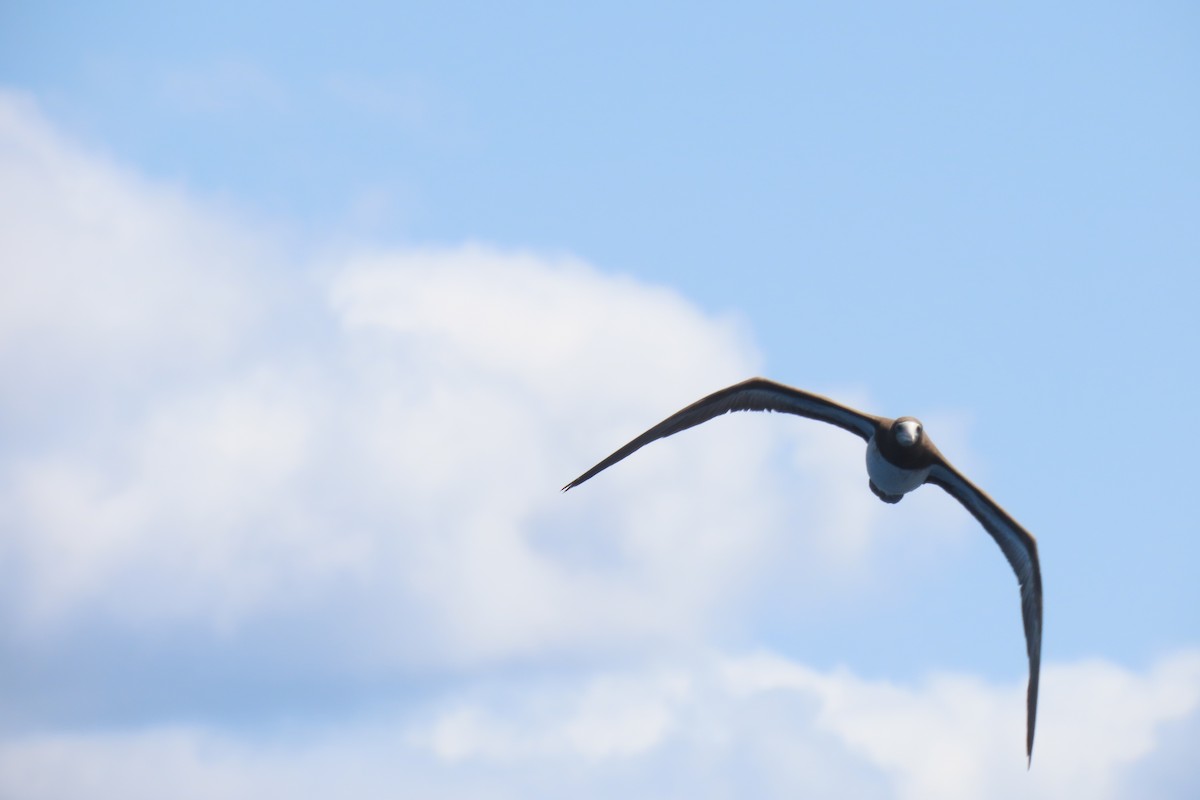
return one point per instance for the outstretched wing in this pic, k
(756, 394)
(1020, 548)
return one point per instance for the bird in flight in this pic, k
(900, 457)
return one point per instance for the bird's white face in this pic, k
(908, 432)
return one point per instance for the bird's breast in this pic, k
(890, 478)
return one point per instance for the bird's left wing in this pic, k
(756, 394)
(1020, 548)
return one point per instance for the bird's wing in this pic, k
(1020, 548)
(756, 394)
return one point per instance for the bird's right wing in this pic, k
(756, 394)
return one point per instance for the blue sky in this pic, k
(308, 312)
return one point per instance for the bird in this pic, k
(900, 458)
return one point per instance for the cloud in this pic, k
(949, 737)
(209, 437)
(718, 725)
(413, 460)
(952, 736)
(110, 283)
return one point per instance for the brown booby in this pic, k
(900, 457)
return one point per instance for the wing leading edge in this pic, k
(756, 394)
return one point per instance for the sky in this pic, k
(307, 312)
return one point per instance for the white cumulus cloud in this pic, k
(708, 726)
(211, 439)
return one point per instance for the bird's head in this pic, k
(907, 431)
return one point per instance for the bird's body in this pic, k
(891, 479)
(900, 458)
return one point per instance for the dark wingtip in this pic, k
(1031, 695)
(1029, 751)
